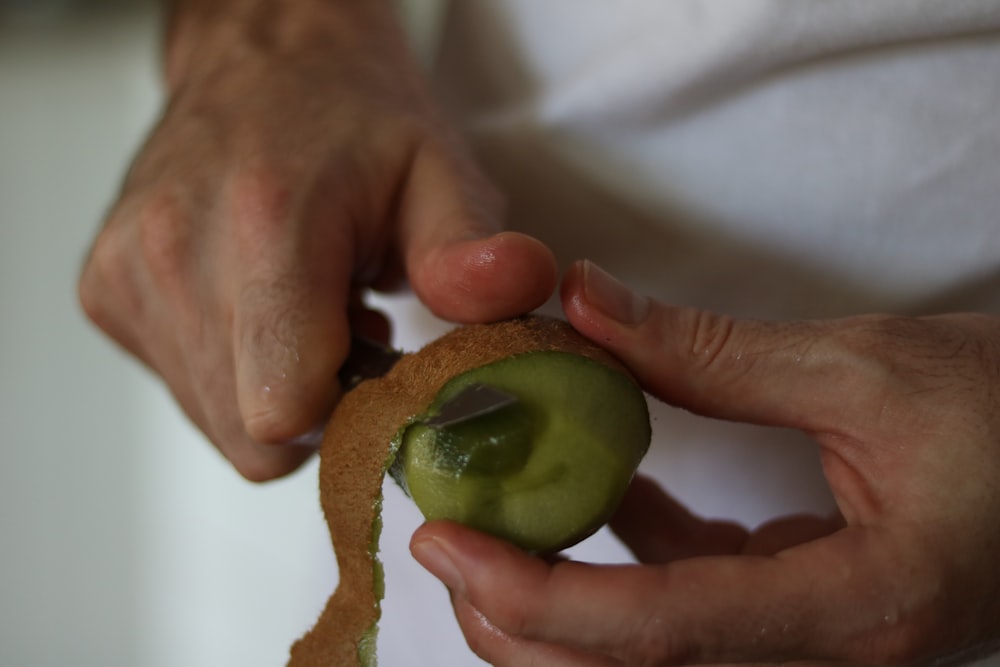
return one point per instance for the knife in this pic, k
(369, 359)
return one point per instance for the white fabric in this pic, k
(850, 144)
(766, 158)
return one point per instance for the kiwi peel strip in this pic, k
(362, 443)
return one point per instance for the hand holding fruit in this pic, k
(905, 411)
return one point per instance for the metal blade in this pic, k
(474, 401)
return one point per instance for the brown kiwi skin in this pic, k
(356, 448)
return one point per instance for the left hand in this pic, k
(905, 411)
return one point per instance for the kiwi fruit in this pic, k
(544, 472)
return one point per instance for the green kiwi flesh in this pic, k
(543, 473)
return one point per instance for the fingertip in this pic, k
(463, 559)
(451, 534)
(471, 550)
(426, 531)
(435, 555)
(485, 279)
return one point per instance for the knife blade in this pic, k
(369, 359)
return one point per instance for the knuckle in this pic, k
(91, 292)
(484, 638)
(269, 425)
(907, 359)
(481, 640)
(651, 644)
(165, 238)
(653, 640)
(106, 285)
(273, 320)
(878, 342)
(710, 338)
(902, 344)
(260, 207)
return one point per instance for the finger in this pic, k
(827, 599)
(145, 301)
(658, 529)
(501, 650)
(290, 336)
(214, 384)
(456, 261)
(195, 356)
(288, 277)
(786, 532)
(301, 370)
(795, 374)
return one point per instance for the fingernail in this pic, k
(612, 297)
(432, 555)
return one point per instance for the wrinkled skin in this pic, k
(905, 411)
(297, 161)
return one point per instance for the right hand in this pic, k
(297, 161)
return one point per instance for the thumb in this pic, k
(458, 261)
(792, 374)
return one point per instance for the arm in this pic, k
(298, 160)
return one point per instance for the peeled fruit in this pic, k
(543, 472)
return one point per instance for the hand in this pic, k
(298, 161)
(905, 411)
